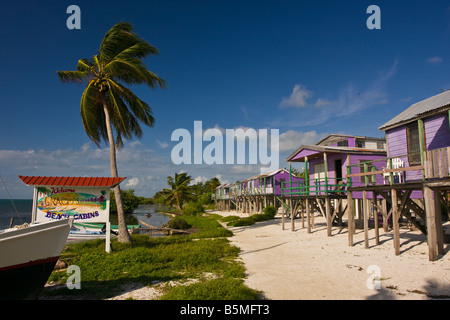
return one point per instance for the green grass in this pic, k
(149, 259)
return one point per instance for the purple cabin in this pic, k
(420, 136)
(269, 183)
(326, 162)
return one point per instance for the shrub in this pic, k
(270, 211)
(193, 208)
(178, 223)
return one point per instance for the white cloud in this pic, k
(435, 60)
(321, 102)
(132, 183)
(199, 179)
(162, 144)
(350, 100)
(297, 99)
(134, 162)
(292, 140)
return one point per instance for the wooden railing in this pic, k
(313, 187)
(437, 164)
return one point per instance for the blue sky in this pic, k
(306, 68)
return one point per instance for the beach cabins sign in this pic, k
(86, 199)
(55, 203)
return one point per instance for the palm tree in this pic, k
(106, 105)
(179, 191)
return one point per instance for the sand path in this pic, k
(289, 265)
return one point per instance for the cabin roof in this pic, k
(332, 150)
(71, 181)
(334, 138)
(267, 174)
(428, 106)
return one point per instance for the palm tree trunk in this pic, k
(124, 236)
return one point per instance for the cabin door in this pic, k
(338, 170)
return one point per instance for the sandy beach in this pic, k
(295, 265)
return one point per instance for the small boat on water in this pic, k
(28, 256)
(90, 231)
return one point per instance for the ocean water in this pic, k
(145, 213)
(7, 212)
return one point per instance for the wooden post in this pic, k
(385, 215)
(283, 209)
(308, 214)
(439, 231)
(325, 165)
(395, 221)
(306, 179)
(328, 213)
(421, 144)
(375, 217)
(292, 214)
(430, 207)
(350, 218)
(366, 219)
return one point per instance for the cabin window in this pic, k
(319, 171)
(343, 143)
(380, 145)
(360, 144)
(413, 143)
(370, 167)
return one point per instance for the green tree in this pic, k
(129, 199)
(179, 191)
(107, 106)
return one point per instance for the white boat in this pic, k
(28, 256)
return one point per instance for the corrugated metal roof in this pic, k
(71, 181)
(333, 149)
(433, 103)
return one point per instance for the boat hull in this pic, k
(28, 256)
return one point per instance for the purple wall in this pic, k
(437, 132)
(304, 153)
(437, 135)
(272, 181)
(354, 159)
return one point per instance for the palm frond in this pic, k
(133, 71)
(73, 76)
(139, 108)
(84, 65)
(92, 114)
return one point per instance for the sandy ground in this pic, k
(295, 265)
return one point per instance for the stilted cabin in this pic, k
(415, 177)
(421, 133)
(254, 193)
(326, 162)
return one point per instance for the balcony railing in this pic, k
(314, 187)
(434, 164)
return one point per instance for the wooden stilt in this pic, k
(292, 214)
(366, 219)
(308, 215)
(350, 218)
(438, 213)
(430, 207)
(328, 215)
(395, 221)
(384, 212)
(375, 218)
